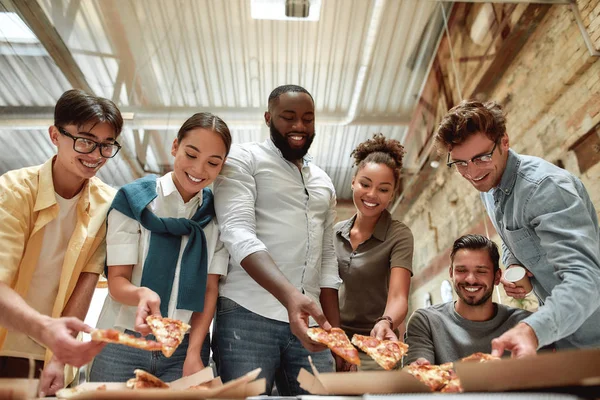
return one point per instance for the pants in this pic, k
(116, 362)
(244, 341)
(16, 367)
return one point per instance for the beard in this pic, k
(469, 300)
(289, 153)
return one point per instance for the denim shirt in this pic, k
(548, 224)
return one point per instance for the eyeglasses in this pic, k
(86, 146)
(479, 161)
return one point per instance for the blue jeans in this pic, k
(116, 362)
(243, 341)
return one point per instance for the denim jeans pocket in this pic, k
(225, 305)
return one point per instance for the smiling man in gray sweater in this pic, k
(449, 331)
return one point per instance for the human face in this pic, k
(73, 165)
(199, 158)
(373, 189)
(485, 176)
(291, 121)
(473, 276)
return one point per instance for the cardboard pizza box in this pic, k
(567, 368)
(242, 387)
(13, 388)
(358, 383)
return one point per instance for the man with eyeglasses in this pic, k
(52, 250)
(547, 224)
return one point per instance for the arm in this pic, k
(235, 196)
(52, 377)
(419, 339)
(200, 324)
(569, 236)
(396, 306)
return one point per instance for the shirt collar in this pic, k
(168, 188)
(380, 231)
(509, 176)
(46, 196)
(270, 144)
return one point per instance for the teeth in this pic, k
(471, 289)
(89, 165)
(298, 138)
(197, 180)
(366, 203)
(478, 179)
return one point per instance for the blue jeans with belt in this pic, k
(243, 341)
(116, 362)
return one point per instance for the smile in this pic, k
(366, 203)
(193, 179)
(478, 179)
(90, 165)
(296, 138)
(471, 289)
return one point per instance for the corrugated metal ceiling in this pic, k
(164, 60)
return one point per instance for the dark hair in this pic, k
(76, 107)
(380, 150)
(278, 91)
(477, 242)
(206, 120)
(468, 118)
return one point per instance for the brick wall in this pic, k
(551, 94)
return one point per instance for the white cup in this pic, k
(518, 276)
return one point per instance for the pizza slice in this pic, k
(145, 380)
(453, 386)
(169, 332)
(480, 357)
(115, 336)
(68, 393)
(387, 353)
(337, 341)
(432, 376)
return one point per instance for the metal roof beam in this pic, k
(33, 15)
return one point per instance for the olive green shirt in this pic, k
(365, 272)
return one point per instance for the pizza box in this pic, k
(13, 388)
(545, 371)
(359, 383)
(242, 387)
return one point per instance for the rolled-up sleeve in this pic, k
(569, 237)
(330, 276)
(235, 197)
(220, 260)
(13, 231)
(122, 239)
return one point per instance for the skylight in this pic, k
(14, 30)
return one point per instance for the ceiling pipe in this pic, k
(584, 33)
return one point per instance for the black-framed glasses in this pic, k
(86, 146)
(479, 161)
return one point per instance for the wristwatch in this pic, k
(386, 318)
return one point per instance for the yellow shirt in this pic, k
(27, 204)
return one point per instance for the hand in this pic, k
(382, 330)
(299, 308)
(513, 290)
(421, 361)
(192, 364)
(57, 335)
(149, 304)
(342, 365)
(521, 341)
(52, 378)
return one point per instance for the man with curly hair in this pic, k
(547, 223)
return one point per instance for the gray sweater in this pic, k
(439, 334)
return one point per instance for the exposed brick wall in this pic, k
(551, 93)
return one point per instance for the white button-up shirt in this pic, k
(265, 203)
(127, 243)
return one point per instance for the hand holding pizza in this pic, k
(521, 341)
(57, 334)
(382, 330)
(299, 308)
(149, 304)
(421, 361)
